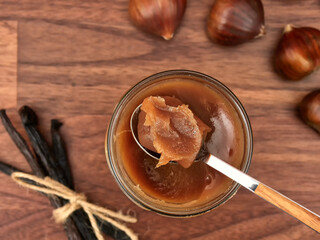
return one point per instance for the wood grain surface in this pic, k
(8, 64)
(73, 61)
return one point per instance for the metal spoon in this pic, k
(284, 203)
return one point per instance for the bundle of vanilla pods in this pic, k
(53, 162)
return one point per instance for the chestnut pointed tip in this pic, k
(262, 31)
(167, 36)
(288, 28)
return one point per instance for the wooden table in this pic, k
(73, 60)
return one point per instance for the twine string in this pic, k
(76, 201)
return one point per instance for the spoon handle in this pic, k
(289, 206)
(284, 203)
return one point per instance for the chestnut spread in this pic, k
(169, 127)
(173, 183)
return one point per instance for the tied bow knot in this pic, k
(75, 202)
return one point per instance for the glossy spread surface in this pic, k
(172, 182)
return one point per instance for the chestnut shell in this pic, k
(233, 22)
(310, 109)
(298, 52)
(159, 17)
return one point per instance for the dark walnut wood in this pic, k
(8, 64)
(73, 60)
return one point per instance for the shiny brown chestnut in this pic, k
(233, 22)
(310, 109)
(298, 52)
(160, 17)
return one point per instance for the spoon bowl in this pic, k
(201, 156)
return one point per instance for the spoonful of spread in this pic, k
(168, 131)
(168, 127)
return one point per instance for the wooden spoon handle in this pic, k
(304, 215)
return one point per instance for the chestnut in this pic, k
(310, 109)
(298, 52)
(159, 17)
(232, 22)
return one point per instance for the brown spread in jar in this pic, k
(172, 183)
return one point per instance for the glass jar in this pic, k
(130, 187)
